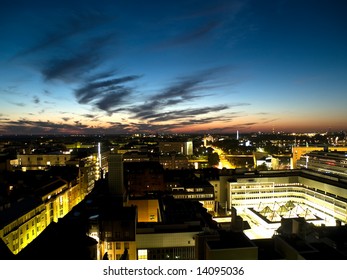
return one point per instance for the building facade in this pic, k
(321, 196)
(21, 222)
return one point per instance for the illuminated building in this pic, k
(174, 236)
(51, 199)
(168, 161)
(117, 226)
(184, 147)
(184, 184)
(174, 244)
(148, 209)
(207, 138)
(146, 225)
(326, 162)
(111, 222)
(203, 194)
(92, 163)
(19, 228)
(65, 240)
(42, 161)
(297, 152)
(322, 199)
(135, 156)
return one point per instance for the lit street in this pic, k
(223, 162)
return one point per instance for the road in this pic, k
(223, 162)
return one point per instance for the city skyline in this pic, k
(172, 66)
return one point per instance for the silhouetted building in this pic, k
(184, 184)
(174, 161)
(298, 240)
(65, 240)
(117, 227)
(143, 177)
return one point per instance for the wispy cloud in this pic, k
(191, 36)
(106, 93)
(89, 116)
(77, 63)
(19, 104)
(70, 27)
(216, 8)
(181, 92)
(24, 126)
(3, 118)
(201, 21)
(187, 113)
(270, 121)
(184, 90)
(36, 99)
(73, 55)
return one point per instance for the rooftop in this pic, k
(230, 240)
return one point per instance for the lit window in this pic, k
(142, 254)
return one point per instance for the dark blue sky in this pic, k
(172, 66)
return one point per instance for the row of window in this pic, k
(290, 188)
(118, 256)
(108, 234)
(118, 245)
(41, 158)
(25, 226)
(179, 253)
(193, 196)
(14, 225)
(321, 198)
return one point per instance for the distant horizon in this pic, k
(179, 134)
(183, 66)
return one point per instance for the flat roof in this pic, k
(17, 210)
(231, 240)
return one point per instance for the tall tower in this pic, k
(115, 175)
(237, 135)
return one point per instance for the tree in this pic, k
(262, 167)
(213, 159)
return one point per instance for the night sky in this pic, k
(190, 66)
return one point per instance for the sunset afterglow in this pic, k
(172, 66)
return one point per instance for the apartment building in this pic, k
(50, 198)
